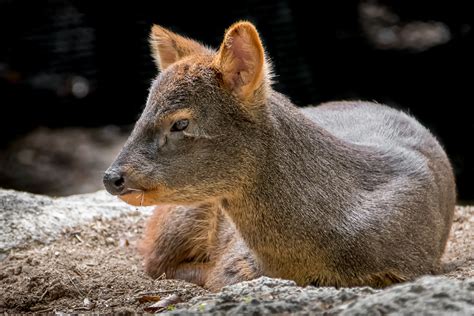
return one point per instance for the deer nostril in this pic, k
(119, 182)
(114, 182)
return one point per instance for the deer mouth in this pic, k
(133, 197)
(147, 197)
(131, 191)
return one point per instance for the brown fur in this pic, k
(169, 47)
(343, 194)
(182, 253)
(196, 244)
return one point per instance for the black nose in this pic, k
(114, 182)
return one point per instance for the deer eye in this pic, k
(179, 126)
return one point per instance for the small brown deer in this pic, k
(344, 194)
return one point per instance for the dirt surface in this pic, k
(95, 268)
(458, 259)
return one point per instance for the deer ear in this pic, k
(241, 60)
(168, 47)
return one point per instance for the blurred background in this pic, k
(74, 75)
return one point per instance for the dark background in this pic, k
(87, 64)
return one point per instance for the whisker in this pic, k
(132, 189)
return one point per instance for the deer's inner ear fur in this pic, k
(241, 61)
(168, 47)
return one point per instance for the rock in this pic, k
(26, 217)
(427, 295)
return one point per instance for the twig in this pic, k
(44, 294)
(161, 277)
(156, 292)
(74, 284)
(78, 238)
(82, 308)
(41, 310)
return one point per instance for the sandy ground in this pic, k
(95, 268)
(458, 259)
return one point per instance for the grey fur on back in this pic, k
(349, 192)
(420, 156)
(386, 192)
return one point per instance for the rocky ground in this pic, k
(60, 162)
(427, 295)
(77, 254)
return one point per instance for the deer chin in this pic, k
(157, 196)
(134, 198)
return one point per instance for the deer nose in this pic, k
(114, 182)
